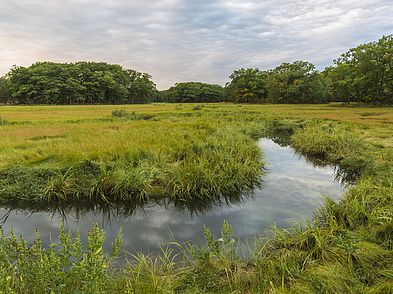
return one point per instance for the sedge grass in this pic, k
(127, 161)
(345, 248)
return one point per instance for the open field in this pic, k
(332, 111)
(90, 132)
(52, 154)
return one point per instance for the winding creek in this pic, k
(292, 188)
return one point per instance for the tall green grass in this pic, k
(335, 144)
(216, 162)
(347, 247)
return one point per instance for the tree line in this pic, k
(362, 74)
(192, 92)
(75, 83)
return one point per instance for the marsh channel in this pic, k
(291, 189)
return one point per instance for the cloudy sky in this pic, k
(183, 40)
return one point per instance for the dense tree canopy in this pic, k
(193, 92)
(140, 87)
(364, 73)
(247, 86)
(296, 82)
(78, 83)
(4, 90)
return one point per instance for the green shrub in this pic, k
(123, 114)
(3, 121)
(64, 267)
(120, 113)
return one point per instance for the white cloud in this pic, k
(181, 40)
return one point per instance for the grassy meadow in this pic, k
(140, 153)
(133, 156)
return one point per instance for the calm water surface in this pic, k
(292, 188)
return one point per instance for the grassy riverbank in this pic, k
(125, 158)
(346, 248)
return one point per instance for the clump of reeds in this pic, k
(208, 165)
(336, 145)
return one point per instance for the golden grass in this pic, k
(375, 115)
(72, 133)
(75, 112)
(108, 141)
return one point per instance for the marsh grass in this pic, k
(336, 145)
(345, 248)
(204, 163)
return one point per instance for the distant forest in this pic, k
(362, 74)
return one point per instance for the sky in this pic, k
(185, 40)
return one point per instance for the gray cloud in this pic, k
(182, 40)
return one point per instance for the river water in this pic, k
(292, 188)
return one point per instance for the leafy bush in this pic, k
(3, 121)
(123, 114)
(120, 113)
(63, 267)
(197, 107)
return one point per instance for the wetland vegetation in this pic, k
(175, 150)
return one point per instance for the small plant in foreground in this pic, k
(65, 266)
(3, 121)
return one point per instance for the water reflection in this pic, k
(292, 188)
(122, 211)
(342, 175)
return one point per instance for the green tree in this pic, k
(141, 89)
(364, 73)
(296, 82)
(340, 82)
(79, 83)
(4, 90)
(247, 86)
(193, 92)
